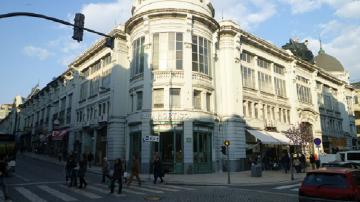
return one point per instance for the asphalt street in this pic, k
(39, 181)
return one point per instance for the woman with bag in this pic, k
(82, 171)
(117, 176)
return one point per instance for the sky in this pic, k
(33, 50)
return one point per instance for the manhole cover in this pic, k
(152, 198)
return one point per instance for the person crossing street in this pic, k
(117, 176)
(158, 172)
(134, 171)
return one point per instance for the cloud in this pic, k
(302, 6)
(349, 10)
(105, 16)
(345, 46)
(248, 13)
(38, 52)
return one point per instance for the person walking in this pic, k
(68, 169)
(117, 176)
(82, 171)
(303, 163)
(134, 171)
(90, 158)
(158, 172)
(312, 161)
(3, 166)
(105, 170)
(285, 162)
(73, 171)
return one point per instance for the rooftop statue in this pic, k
(299, 50)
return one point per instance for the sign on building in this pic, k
(151, 138)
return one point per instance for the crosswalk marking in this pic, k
(82, 192)
(161, 188)
(148, 190)
(296, 189)
(178, 187)
(125, 190)
(101, 190)
(29, 195)
(56, 193)
(287, 186)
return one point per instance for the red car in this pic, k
(331, 184)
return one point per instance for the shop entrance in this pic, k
(202, 152)
(135, 146)
(170, 150)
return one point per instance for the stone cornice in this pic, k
(99, 45)
(133, 21)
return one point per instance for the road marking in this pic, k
(160, 188)
(124, 190)
(177, 187)
(29, 195)
(145, 189)
(296, 189)
(103, 191)
(82, 192)
(288, 186)
(37, 183)
(56, 193)
(21, 177)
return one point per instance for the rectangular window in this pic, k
(279, 114)
(155, 56)
(280, 87)
(279, 69)
(256, 111)
(248, 77)
(84, 90)
(265, 83)
(139, 100)
(137, 64)
(179, 51)
(106, 81)
(197, 99)
(175, 98)
(107, 60)
(131, 102)
(263, 63)
(247, 57)
(201, 55)
(208, 102)
(158, 98)
(284, 116)
(250, 109)
(288, 116)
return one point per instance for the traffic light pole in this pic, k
(8, 15)
(228, 163)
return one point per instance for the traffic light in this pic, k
(223, 150)
(78, 27)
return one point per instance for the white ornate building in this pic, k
(177, 73)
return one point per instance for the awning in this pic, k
(279, 136)
(58, 134)
(263, 137)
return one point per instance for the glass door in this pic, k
(202, 152)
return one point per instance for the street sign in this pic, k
(317, 141)
(151, 138)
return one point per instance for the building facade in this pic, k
(178, 74)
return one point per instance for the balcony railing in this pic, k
(167, 75)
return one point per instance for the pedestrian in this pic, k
(117, 176)
(312, 161)
(105, 170)
(3, 166)
(285, 162)
(74, 172)
(68, 169)
(82, 171)
(297, 165)
(90, 158)
(158, 172)
(303, 162)
(134, 171)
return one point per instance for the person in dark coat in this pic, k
(82, 171)
(303, 162)
(68, 169)
(3, 165)
(285, 162)
(117, 176)
(90, 158)
(135, 167)
(105, 170)
(312, 161)
(73, 171)
(158, 172)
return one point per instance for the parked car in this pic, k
(331, 184)
(342, 165)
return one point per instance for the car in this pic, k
(330, 184)
(342, 165)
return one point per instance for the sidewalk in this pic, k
(237, 178)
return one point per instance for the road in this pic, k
(40, 181)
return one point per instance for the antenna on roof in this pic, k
(321, 49)
(222, 14)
